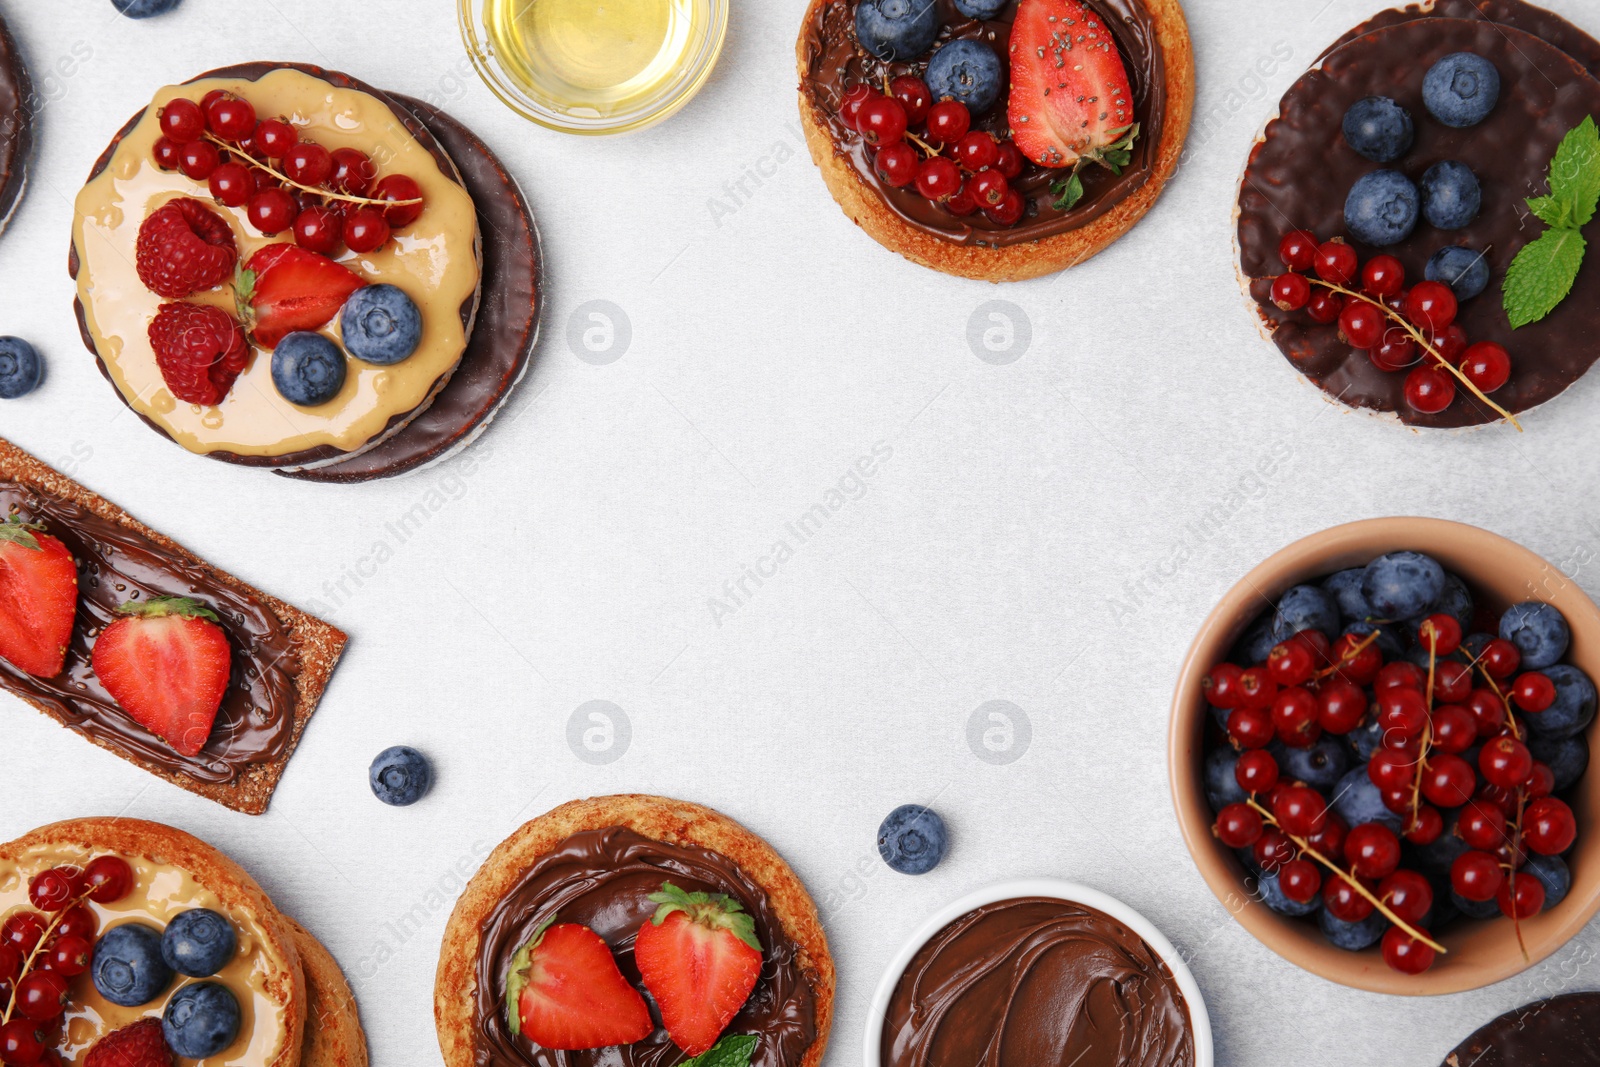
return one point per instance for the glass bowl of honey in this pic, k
(594, 66)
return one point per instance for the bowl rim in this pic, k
(1055, 888)
(480, 54)
(1219, 868)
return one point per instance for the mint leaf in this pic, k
(1575, 173)
(1069, 190)
(1552, 211)
(1542, 275)
(733, 1050)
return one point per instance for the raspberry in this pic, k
(201, 350)
(138, 1045)
(184, 247)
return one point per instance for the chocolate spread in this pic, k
(601, 879)
(1301, 173)
(1037, 982)
(835, 64)
(117, 564)
(1560, 1032)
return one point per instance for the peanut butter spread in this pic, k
(434, 260)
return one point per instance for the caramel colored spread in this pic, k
(834, 64)
(116, 564)
(1037, 982)
(602, 879)
(159, 893)
(434, 260)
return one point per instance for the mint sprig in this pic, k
(734, 1050)
(1544, 271)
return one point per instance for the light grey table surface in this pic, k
(1028, 533)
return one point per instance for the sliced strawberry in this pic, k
(1070, 98)
(166, 662)
(38, 598)
(285, 288)
(565, 992)
(699, 958)
(137, 1045)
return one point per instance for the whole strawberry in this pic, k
(184, 247)
(38, 598)
(200, 350)
(166, 661)
(137, 1045)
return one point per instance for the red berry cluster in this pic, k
(1397, 327)
(932, 146)
(1309, 687)
(42, 951)
(327, 198)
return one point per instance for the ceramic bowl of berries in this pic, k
(1378, 750)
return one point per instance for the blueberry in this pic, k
(1353, 937)
(912, 839)
(201, 1020)
(1320, 766)
(1345, 587)
(968, 71)
(1461, 89)
(1464, 270)
(1356, 800)
(1392, 640)
(897, 29)
(1219, 716)
(1539, 632)
(1552, 871)
(1567, 757)
(1475, 909)
(1421, 656)
(1379, 129)
(1271, 894)
(1256, 642)
(1382, 208)
(198, 943)
(1437, 855)
(20, 368)
(1473, 644)
(400, 776)
(144, 9)
(1455, 601)
(1451, 196)
(980, 9)
(1306, 607)
(380, 324)
(1222, 788)
(1442, 911)
(128, 969)
(1574, 705)
(308, 369)
(1364, 740)
(1402, 585)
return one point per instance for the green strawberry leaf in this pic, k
(1542, 275)
(244, 290)
(160, 607)
(1069, 190)
(1575, 172)
(517, 977)
(734, 1050)
(16, 532)
(718, 912)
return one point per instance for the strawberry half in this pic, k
(38, 598)
(565, 992)
(136, 1045)
(699, 958)
(166, 662)
(1070, 98)
(285, 288)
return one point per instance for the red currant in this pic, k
(69, 956)
(1011, 160)
(938, 178)
(1291, 663)
(271, 211)
(1300, 880)
(1449, 342)
(1238, 826)
(1372, 850)
(1341, 706)
(1344, 901)
(913, 94)
(1533, 692)
(851, 106)
(1452, 682)
(1329, 840)
(1404, 953)
(231, 118)
(1400, 675)
(1294, 717)
(1256, 771)
(1395, 352)
(1440, 634)
(1431, 305)
(167, 153)
(976, 150)
(1407, 894)
(1298, 250)
(1251, 727)
(399, 187)
(198, 159)
(1481, 825)
(353, 172)
(989, 188)
(1291, 292)
(318, 229)
(1541, 781)
(274, 138)
(10, 962)
(1520, 896)
(1300, 810)
(948, 121)
(1391, 769)
(21, 1043)
(1548, 826)
(1499, 797)
(897, 164)
(1454, 730)
(78, 921)
(1486, 365)
(182, 121)
(308, 163)
(1221, 686)
(365, 231)
(962, 204)
(42, 995)
(1273, 849)
(1429, 390)
(1488, 711)
(1402, 711)
(1425, 826)
(1448, 781)
(1500, 658)
(1476, 875)
(882, 120)
(1505, 762)
(23, 931)
(1337, 262)
(1358, 659)
(1007, 212)
(231, 184)
(1325, 306)
(54, 889)
(1257, 689)
(1362, 324)
(1383, 276)
(109, 879)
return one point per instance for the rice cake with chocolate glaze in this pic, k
(1517, 14)
(1562, 1031)
(674, 824)
(1153, 37)
(274, 973)
(282, 656)
(501, 347)
(320, 454)
(1300, 170)
(16, 126)
(334, 1037)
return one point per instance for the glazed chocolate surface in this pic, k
(1037, 982)
(601, 879)
(1517, 14)
(116, 564)
(1300, 174)
(835, 64)
(503, 337)
(1560, 1032)
(16, 124)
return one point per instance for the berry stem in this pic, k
(1511, 871)
(329, 194)
(27, 964)
(1305, 846)
(920, 143)
(1427, 731)
(1505, 701)
(1348, 657)
(1417, 335)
